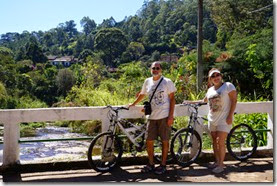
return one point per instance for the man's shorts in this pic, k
(157, 128)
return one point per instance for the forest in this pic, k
(112, 59)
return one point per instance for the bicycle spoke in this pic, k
(104, 152)
(186, 150)
(241, 142)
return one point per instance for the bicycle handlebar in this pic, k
(194, 105)
(116, 108)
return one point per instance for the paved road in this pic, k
(254, 170)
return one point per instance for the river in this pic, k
(54, 151)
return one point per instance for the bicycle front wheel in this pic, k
(186, 146)
(104, 152)
(242, 142)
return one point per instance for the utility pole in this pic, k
(200, 70)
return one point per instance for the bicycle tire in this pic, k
(157, 154)
(181, 151)
(104, 160)
(242, 142)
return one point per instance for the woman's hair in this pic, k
(210, 84)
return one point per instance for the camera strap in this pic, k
(155, 90)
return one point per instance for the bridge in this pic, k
(11, 118)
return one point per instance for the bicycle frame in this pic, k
(196, 120)
(115, 122)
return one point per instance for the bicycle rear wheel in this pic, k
(242, 142)
(104, 152)
(186, 146)
(158, 149)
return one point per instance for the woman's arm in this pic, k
(233, 100)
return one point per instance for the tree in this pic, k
(134, 51)
(34, 52)
(7, 68)
(88, 25)
(84, 54)
(108, 23)
(65, 80)
(112, 42)
(132, 28)
(241, 15)
(48, 39)
(3, 96)
(69, 28)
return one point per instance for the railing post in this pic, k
(105, 120)
(11, 145)
(270, 133)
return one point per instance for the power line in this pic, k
(260, 9)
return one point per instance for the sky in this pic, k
(35, 15)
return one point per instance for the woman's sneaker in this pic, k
(160, 169)
(212, 166)
(218, 170)
(148, 168)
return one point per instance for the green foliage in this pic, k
(87, 96)
(255, 121)
(133, 52)
(65, 80)
(238, 40)
(262, 68)
(87, 127)
(30, 102)
(3, 96)
(29, 129)
(34, 52)
(112, 42)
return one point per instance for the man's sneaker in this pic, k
(160, 169)
(148, 168)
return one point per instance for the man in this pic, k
(161, 118)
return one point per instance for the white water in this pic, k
(53, 151)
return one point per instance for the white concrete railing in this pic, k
(13, 117)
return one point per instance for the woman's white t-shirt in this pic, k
(219, 103)
(160, 103)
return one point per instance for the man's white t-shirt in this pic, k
(160, 103)
(219, 103)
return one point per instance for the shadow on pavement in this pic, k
(194, 173)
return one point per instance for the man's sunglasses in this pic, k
(216, 75)
(156, 68)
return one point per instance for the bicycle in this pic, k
(106, 149)
(241, 141)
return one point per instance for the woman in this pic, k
(222, 100)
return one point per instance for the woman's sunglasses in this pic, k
(216, 75)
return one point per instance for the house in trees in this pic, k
(65, 61)
(169, 58)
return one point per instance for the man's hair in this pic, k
(156, 62)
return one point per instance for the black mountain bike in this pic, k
(186, 144)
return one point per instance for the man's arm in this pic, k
(139, 98)
(171, 109)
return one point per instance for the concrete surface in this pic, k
(254, 170)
